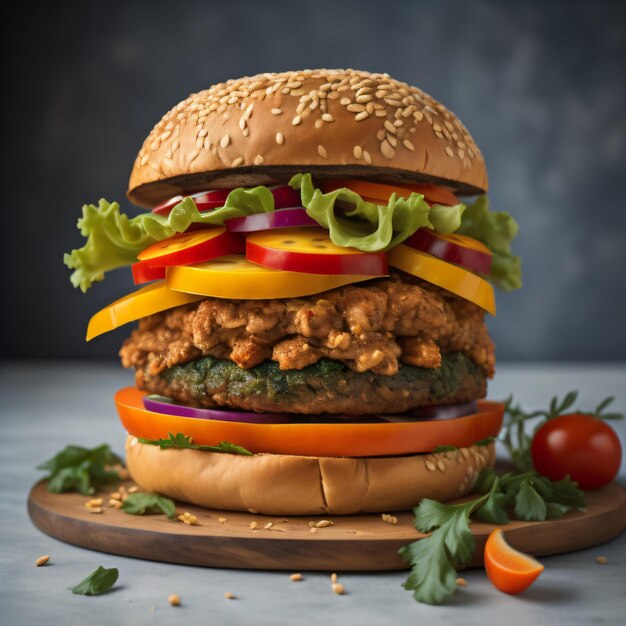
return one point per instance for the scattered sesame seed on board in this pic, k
(333, 578)
(461, 582)
(602, 560)
(221, 520)
(174, 599)
(295, 577)
(324, 523)
(253, 525)
(339, 589)
(42, 560)
(314, 529)
(229, 596)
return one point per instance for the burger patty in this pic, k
(325, 387)
(373, 328)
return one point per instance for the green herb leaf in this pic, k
(493, 510)
(435, 559)
(440, 449)
(179, 440)
(486, 441)
(81, 469)
(97, 582)
(148, 503)
(529, 505)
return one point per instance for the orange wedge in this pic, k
(509, 571)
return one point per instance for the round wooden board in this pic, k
(352, 543)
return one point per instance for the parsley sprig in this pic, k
(435, 559)
(81, 469)
(97, 582)
(179, 440)
(141, 503)
(517, 440)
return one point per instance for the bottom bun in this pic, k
(276, 484)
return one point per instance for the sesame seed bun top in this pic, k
(332, 123)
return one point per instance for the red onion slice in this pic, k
(435, 412)
(282, 218)
(161, 404)
(284, 196)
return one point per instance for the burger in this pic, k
(315, 266)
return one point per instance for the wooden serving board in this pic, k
(352, 543)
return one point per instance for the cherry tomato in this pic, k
(580, 445)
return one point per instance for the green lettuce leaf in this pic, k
(496, 230)
(380, 227)
(114, 240)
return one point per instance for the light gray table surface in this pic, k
(45, 406)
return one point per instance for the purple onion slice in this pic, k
(282, 218)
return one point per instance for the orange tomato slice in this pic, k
(455, 279)
(380, 193)
(508, 569)
(332, 440)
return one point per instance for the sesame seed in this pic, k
(449, 151)
(355, 108)
(296, 577)
(258, 159)
(381, 113)
(229, 596)
(237, 162)
(333, 578)
(221, 520)
(436, 127)
(253, 525)
(461, 582)
(225, 140)
(280, 139)
(296, 120)
(430, 466)
(361, 116)
(242, 124)
(345, 101)
(327, 117)
(390, 127)
(319, 123)
(461, 154)
(364, 99)
(174, 599)
(313, 530)
(276, 111)
(440, 466)
(387, 150)
(602, 560)
(439, 134)
(338, 588)
(408, 145)
(367, 157)
(322, 151)
(358, 152)
(324, 523)
(42, 560)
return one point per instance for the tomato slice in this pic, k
(459, 249)
(453, 278)
(143, 272)
(380, 193)
(236, 278)
(334, 440)
(311, 251)
(186, 249)
(146, 301)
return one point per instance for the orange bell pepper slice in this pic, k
(508, 569)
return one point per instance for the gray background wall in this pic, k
(541, 86)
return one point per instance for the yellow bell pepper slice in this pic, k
(453, 278)
(234, 277)
(141, 303)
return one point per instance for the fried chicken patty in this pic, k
(325, 387)
(373, 328)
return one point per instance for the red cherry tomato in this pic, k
(580, 445)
